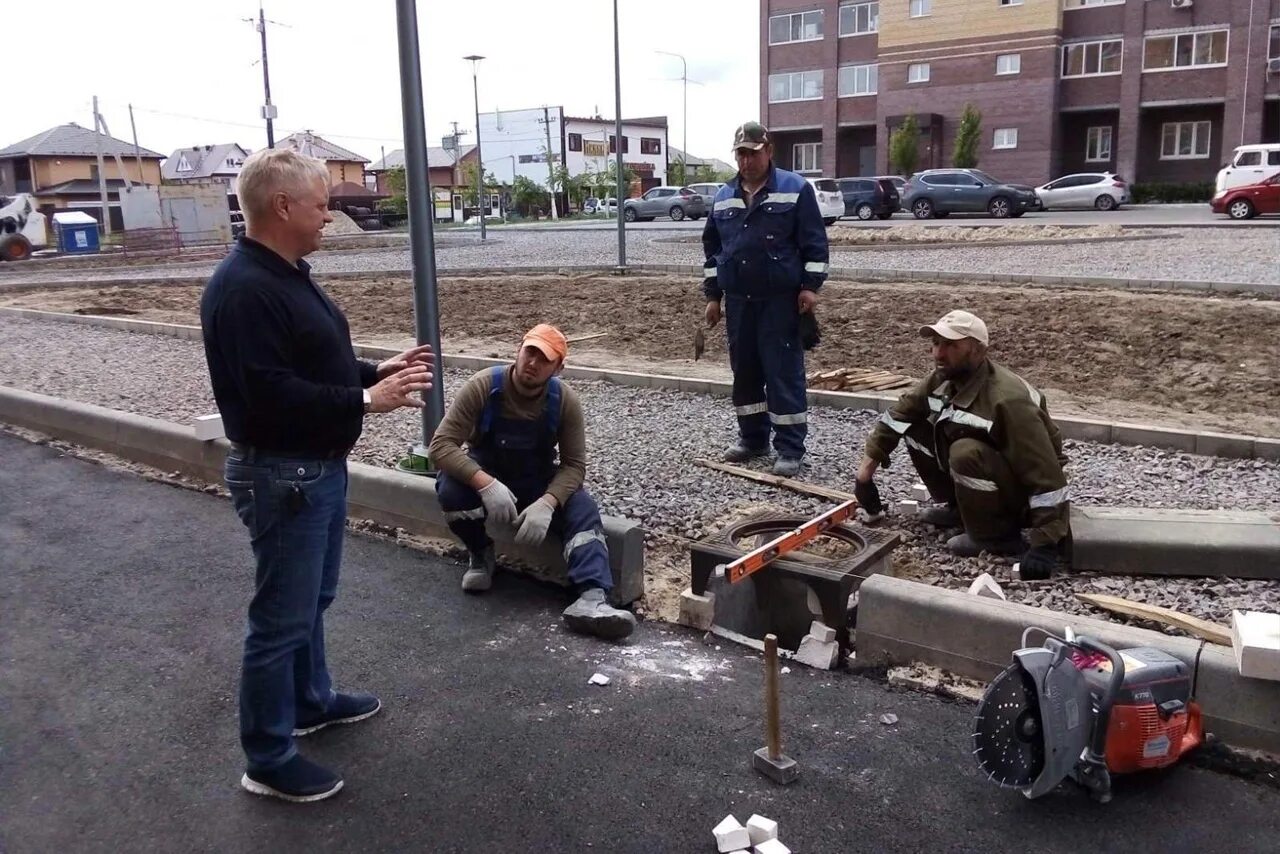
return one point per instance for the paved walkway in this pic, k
(121, 607)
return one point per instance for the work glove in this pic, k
(534, 521)
(499, 503)
(1038, 563)
(810, 335)
(870, 507)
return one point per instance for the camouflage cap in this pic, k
(752, 135)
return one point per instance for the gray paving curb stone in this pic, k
(1083, 429)
(902, 621)
(379, 495)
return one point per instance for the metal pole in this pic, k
(617, 134)
(426, 307)
(773, 727)
(102, 178)
(137, 152)
(266, 78)
(480, 203)
(551, 164)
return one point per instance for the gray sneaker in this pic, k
(479, 575)
(940, 516)
(787, 466)
(592, 615)
(740, 453)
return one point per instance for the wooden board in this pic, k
(1204, 629)
(776, 480)
(856, 379)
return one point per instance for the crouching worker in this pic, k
(511, 421)
(981, 439)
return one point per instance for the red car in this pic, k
(1249, 200)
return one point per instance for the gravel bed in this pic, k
(1209, 254)
(642, 442)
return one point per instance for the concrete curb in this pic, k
(902, 621)
(959, 244)
(1206, 443)
(379, 495)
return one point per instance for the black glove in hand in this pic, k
(810, 335)
(1038, 563)
(868, 495)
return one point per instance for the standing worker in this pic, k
(292, 396)
(981, 438)
(766, 250)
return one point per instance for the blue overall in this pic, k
(758, 260)
(522, 454)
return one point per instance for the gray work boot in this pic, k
(963, 545)
(786, 466)
(479, 575)
(592, 615)
(740, 453)
(941, 516)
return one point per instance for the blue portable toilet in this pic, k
(76, 233)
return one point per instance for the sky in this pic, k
(193, 74)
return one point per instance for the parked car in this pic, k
(898, 182)
(1248, 201)
(1100, 190)
(869, 197)
(590, 204)
(675, 202)
(830, 199)
(707, 191)
(1249, 164)
(237, 224)
(941, 192)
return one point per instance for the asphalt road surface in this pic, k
(121, 612)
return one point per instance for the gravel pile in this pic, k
(642, 442)
(1209, 254)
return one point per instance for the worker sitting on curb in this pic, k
(512, 420)
(983, 442)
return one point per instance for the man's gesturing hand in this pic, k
(394, 391)
(420, 355)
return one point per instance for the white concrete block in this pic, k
(985, 585)
(822, 632)
(771, 846)
(697, 611)
(761, 829)
(731, 836)
(920, 492)
(816, 653)
(908, 508)
(209, 427)
(1255, 637)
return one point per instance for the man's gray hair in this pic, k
(275, 170)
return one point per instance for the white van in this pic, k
(1249, 165)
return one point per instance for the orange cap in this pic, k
(549, 340)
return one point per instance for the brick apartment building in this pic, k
(1154, 90)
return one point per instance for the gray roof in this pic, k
(72, 140)
(716, 165)
(317, 146)
(204, 160)
(437, 158)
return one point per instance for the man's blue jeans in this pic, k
(296, 512)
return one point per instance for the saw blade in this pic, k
(1007, 737)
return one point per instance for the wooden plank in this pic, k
(775, 480)
(896, 382)
(1212, 632)
(576, 338)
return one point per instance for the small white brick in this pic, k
(985, 585)
(731, 836)
(696, 611)
(815, 653)
(1255, 636)
(920, 492)
(908, 508)
(761, 829)
(771, 846)
(822, 632)
(209, 427)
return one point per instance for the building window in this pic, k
(921, 8)
(918, 72)
(795, 86)
(1006, 138)
(575, 142)
(1097, 147)
(806, 157)
(1083, 4)
(1185, 140)
(1185, 50)
(857, 19)
(650, 145)
(1010, 2)
(1274, 51)
(858, 80)
(613, 145)
(1088, 59)
(1009, 63)
(800, 27)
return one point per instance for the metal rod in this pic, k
(426, 307)
(617, 135)
(137, 152)
(102, 178)
(551, 167)
(481, 205)
(773, 727)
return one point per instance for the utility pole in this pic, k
(480, 195)
(551, 164)
(137, 152)
(268, 109)
(684, 78)
(102, 178)
(617, 125)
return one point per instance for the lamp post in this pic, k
(684, 79)
(475, 88)
(617, 133)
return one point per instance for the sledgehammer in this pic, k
(770, 760)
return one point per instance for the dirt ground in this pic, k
(1155, 358)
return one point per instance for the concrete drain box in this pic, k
(791, 592)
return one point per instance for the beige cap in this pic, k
(956, 325)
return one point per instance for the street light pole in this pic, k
(475, 88)
(617, 135)
(684, 79)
